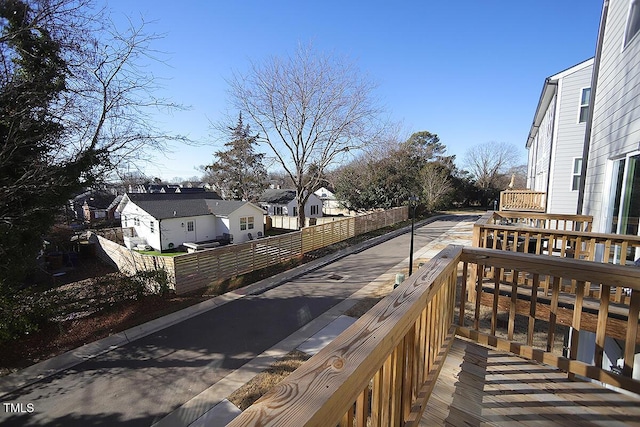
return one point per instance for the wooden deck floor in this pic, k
(483, 387)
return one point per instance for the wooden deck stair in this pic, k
(481, 386)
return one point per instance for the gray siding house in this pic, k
(612, 174)
(283, 202)
(556, 139)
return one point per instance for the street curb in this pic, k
(47, 368)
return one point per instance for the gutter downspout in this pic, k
(592, 99)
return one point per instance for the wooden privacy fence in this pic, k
(381, 370)
(281, 221)
(554, 235)
(523, 200)
(128, 261)
(203, 268)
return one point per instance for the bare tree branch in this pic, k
(311, 109)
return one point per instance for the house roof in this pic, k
(115, 202)
(95, 199)
(325, 194)
(183, 190)
(548, 91)
(226, 207)
(277, 196)
(161, 188)
(178, 205)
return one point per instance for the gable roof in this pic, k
(96, 199)
(170, 205)
(549, 89)
(277, 196)
(325, 194)
(225, 207)
(178, 205)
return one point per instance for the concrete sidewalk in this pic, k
(178, 351)
(310, 339)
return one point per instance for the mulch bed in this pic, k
(55, 338)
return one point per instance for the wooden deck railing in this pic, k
(538, 220)
(523, 200)
(557, 235)
(510, 285)
(380, 371)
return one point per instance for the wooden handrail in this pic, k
(382, 369)
(547, 220)
(523, 200)
(614, 275)
(513, 283)
(602, 247)
(398, 347)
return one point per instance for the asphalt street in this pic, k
(139, 383)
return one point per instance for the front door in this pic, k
(190, 231)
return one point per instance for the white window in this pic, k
(277, 210)
(295, 211)
(136, 221)
(633, 21)
(152, 226)
(314, 209)
(584, 104)
(246, 223)
(190, 226)
(575, 176)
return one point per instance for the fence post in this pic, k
(333, 233)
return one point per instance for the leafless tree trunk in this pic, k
(436, 184)
(311, 110)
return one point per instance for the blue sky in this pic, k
(469, 71)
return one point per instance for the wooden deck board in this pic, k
(479, 386)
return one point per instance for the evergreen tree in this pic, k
(34, 183)
(238, 171)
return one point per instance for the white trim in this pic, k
(608, 196)
(626, 42)
(573, 69)
(552, 152)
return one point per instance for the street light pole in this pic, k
(412, 200)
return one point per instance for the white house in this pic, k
(283, 202)
(166, 221)
(556, 137)
(329, 202)
(612, 146)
